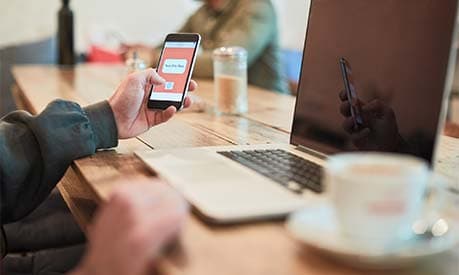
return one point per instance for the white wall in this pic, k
(145, 21)
(293, 16)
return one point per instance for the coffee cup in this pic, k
(377, 197)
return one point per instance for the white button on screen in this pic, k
(174, 66)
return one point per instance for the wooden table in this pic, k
(256, 249)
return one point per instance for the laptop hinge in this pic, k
(312, 152)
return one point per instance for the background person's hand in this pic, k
(129, 104)
(148, 54)
(130, 230)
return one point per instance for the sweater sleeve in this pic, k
(35, 151)
(251, 26)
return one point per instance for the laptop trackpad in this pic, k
(220, 188)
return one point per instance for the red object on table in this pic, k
(98, 54)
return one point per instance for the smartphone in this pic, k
(175, 65)
(351, 93)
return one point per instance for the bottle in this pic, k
(66, 50)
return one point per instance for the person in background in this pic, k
(250, 24)
(138, 219)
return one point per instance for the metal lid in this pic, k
(230, 53)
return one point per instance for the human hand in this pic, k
(380, 131)
(144, 52)
(129, 104)
(131, 229)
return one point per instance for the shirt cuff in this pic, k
(103, 124)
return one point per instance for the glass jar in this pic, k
(230, 80)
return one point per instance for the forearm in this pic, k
(37, 150)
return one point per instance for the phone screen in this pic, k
(175, 66)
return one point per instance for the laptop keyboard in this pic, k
(291, 171)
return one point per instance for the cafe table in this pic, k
(261, 248)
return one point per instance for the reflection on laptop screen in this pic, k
(373, 75)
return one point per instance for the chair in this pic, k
(40, 52)
(291, 60)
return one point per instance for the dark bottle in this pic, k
(66, 49)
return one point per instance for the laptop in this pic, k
(392, 59)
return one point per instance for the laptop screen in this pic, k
(373, 75)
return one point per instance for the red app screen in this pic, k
(175, 65)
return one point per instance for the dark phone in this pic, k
(351, 94)
(175, 65)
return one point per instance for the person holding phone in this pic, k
(37, 150)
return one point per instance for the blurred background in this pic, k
(136, 21)
(28, 28)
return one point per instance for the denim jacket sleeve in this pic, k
(35, 151)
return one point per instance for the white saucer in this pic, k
(316, 227)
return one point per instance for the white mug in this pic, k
(377, 197)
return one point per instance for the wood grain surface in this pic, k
(256, 249)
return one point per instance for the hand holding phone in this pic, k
(132, 116)
(176, 65)
(351, 94)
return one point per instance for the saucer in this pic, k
(316, 227)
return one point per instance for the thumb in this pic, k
(153, 77)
